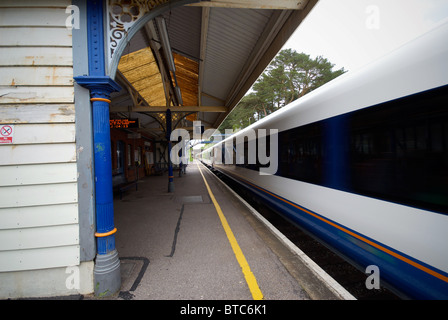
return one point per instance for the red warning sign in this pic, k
(6, 134)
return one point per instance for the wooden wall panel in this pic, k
(30, 17)
(39, 218)
(41, 258)
(20, 95)
(35, 4)
(38, 195)
(41, 237)
(44, 133)
(37, 174)
(37, 113)
(56, 37)
(36, 56)
(36, 153)
(36, 76)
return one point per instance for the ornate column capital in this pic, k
(99, 86)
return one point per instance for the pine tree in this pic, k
(290, 76)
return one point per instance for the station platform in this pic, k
(201, 242)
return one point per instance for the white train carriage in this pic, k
(363, 165)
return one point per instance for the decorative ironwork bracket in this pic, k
(121, 16)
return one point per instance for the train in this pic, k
(362, 165)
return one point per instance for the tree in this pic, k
(243, 115)
(290, 76)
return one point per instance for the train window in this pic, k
(241, 154)
(246, 153)
(396, 151)
(300, 153)
(436, 137)
(399, 150)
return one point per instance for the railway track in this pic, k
(347, 275)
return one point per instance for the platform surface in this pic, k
(173, 246)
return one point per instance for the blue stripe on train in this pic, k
(406, 278)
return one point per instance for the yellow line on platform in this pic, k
(248, 275)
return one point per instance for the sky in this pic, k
(352, 33)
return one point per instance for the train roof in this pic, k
(419, 65)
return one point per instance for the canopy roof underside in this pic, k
(217, 49)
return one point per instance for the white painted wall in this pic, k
(39, 227)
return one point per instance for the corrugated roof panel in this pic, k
(184, 30)
(232, 35)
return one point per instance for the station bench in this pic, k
(126, 186)
(120, 185)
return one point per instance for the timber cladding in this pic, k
(39, 225)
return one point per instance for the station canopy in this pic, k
(199, 60)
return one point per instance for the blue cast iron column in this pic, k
(170, 164)
(107, 277)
